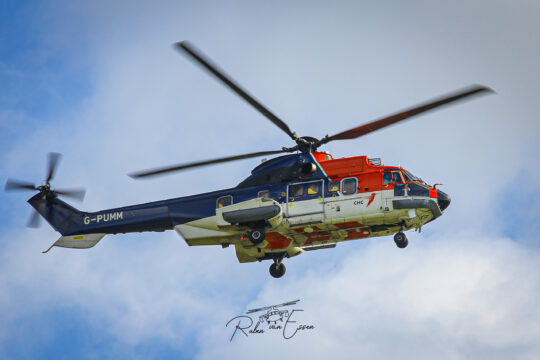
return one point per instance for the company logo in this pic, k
(273, 319)
(369, 200)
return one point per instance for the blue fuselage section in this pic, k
(272, 177)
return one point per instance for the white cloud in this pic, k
(466, 295)
(453, 293)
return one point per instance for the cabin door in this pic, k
(305, 198)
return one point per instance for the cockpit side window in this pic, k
(392, 177)
(396, 177)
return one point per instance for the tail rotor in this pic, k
(45, 189)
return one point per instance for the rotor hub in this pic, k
(43, 188)
(307, 144)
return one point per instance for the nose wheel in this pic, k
(257, 236)
(401, 240)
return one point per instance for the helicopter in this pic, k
(304, 200)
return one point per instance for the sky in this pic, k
(100, 83)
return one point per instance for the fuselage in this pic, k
(317, 201)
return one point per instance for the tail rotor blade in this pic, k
(34, 220)
(45, 193)
(77, 194)
(53, 163)
(12, 184)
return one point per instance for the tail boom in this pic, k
(83, 230)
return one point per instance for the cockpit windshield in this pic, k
(410, 177)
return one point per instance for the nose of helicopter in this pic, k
(443, 199)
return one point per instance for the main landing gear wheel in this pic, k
(257, 236)
(277, 270)
(401, 240)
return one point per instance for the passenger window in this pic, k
(297, 190)
(387, 178)
(264, 194)
(349, 186)
(314, 188)
(224, 201)
(333, 187)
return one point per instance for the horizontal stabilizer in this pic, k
(77, 241)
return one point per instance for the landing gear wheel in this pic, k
(257, 236)
(401, 240)
(277, 270)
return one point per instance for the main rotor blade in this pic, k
(53, 163)
(206, 63)
(203, 163)
(18, 185)
(77, 194)
(392, 119)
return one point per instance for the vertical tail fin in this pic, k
(63, 217)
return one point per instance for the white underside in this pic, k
(360, 208)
